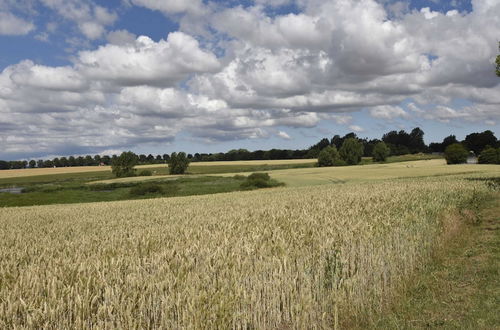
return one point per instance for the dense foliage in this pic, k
(455, 154)
(351, 151)
(123, 166)
(329, 156)
(178, 163)
(489, 156)
(381, 152)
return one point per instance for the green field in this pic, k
(337, 247)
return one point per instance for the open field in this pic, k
(326, 175)
(86, 169)
(194, 168)
(307, 257)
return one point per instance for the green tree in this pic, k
(489, 156)
(455, 154)
(351, 151)
(380, 152)
(178, 163)
(123, 165)
(32, 163)
(329, 156)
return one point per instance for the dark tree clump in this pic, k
(380, 152)
(329, 156)
(123, 165)
(455, 154)
(489, 155)
(351, 151)
(178, 163)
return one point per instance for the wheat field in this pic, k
(296, 177)
(301, 258)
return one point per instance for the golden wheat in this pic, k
(301, 258)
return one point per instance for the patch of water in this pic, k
(13, 190)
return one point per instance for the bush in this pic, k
(178, 163)
(455, 154)
(380, 152)
(123, 166)
(259, 176)
(259, 180)
(145, 173)
(351, 151)
(146, 188)
(339, 162)
(489, 156)
(328, 156)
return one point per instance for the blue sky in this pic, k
(87, 77)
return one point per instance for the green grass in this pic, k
(67, 193)
(56, 178)
(460, 289)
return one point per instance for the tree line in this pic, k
(398, 143)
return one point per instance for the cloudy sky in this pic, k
(155, 76)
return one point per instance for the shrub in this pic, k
(455, 154)
(328, 156)
(489, 156)
(351, 151)
(339, 162)
(380, 152)
(145, 173)
(178, 163)
(259, 180)
(123, 166)
(259, 176)
(146, 188)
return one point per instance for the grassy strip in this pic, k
(460, 289)
(68, 193)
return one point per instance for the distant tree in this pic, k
(478, 141)
(178, 163)
(455, 154)
(158, 159)
(329, 156)
(449, 140)
(64, 161)
(32, 163)
(150, 159)
(143, 158)
(489, 155)
(106, 160)
(351, 151)
(398, 142)
(123, 165)
(97, 159)
(57, 162)
(166, 157)
(416, 143)
(88, 161)
(72, 161)
(40, 163)
(380, 152)
(4, 165)
(369, 146)
(48, 163)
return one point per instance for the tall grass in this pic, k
(310, 257)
